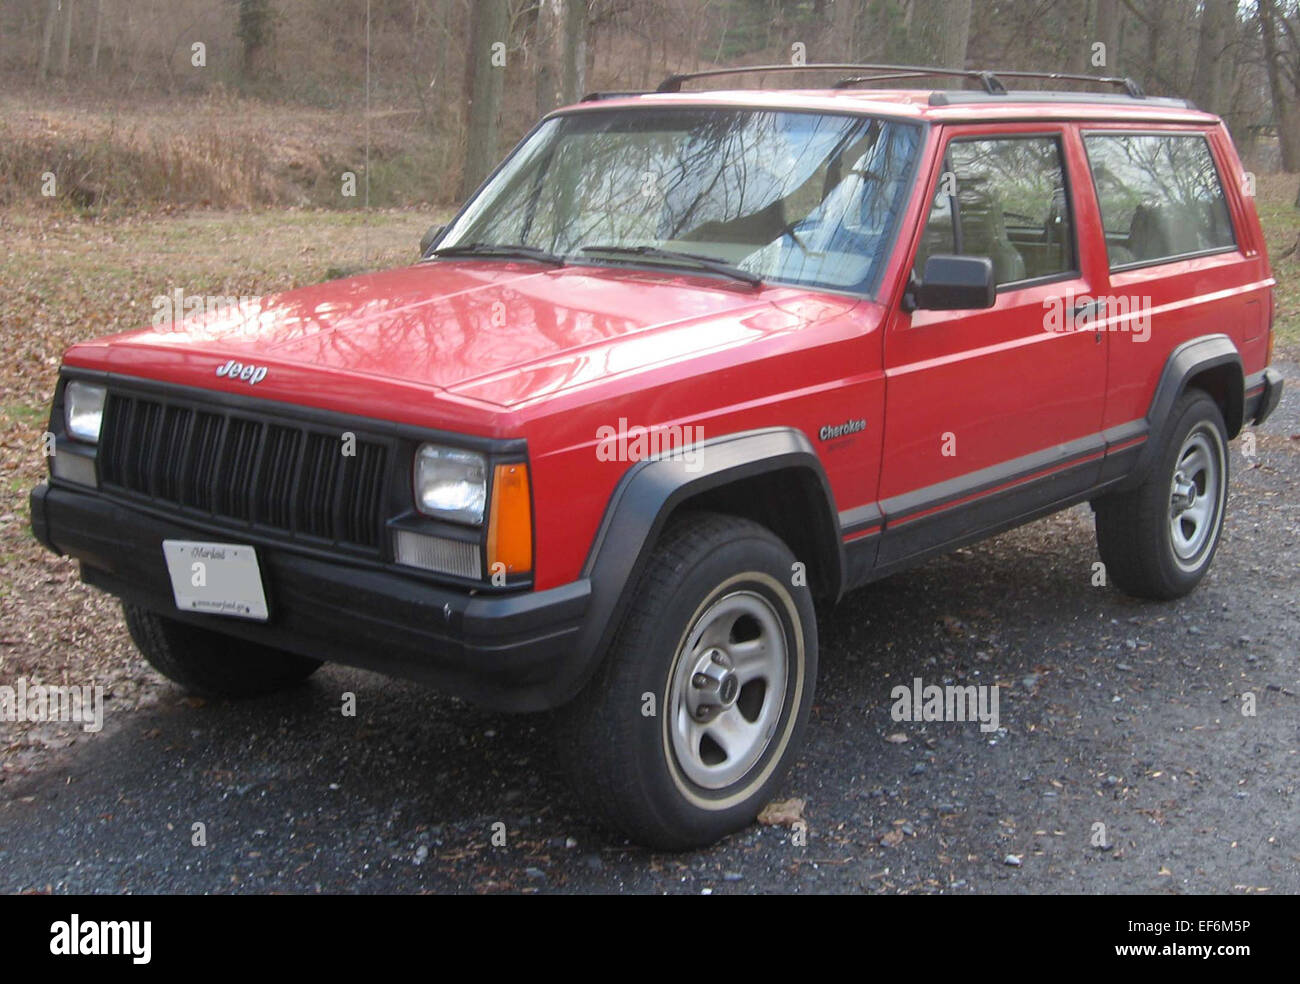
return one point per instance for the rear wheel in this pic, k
(700, 704)
(210, 664)
(1157, 540)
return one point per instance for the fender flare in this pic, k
(646, 496)
(1189, 359)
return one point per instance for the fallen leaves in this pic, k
(782, 813)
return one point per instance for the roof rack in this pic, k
(990, 81)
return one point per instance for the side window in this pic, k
(1005, 199)
(1160, 197)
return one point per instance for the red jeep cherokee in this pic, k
(685, 367)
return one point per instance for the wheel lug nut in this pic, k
(705, 710)
(699, 681)
(721, 658)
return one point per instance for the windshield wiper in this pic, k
(501, 249)
(673, 255)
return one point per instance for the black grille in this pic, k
(246, 469)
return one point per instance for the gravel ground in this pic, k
(1113, 712)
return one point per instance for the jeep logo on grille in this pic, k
(252, 375)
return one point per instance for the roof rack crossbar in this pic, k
(990, 81)
(673, 83)
(987, 80)
(1127, 84)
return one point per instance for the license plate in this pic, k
(216, 578)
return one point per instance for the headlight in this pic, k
(83, 410)
(450, 484)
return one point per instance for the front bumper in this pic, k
(516, 652)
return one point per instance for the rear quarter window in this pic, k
(1160, 196)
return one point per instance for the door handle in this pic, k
(1090, 311)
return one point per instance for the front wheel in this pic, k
(700, 704)
(1157, 540)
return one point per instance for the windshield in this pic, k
(802, 198)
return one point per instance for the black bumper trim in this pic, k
(514, 652)
(1263, 394)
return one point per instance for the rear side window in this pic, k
(1160, 197)
(1003, 198)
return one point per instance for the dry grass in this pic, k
(1275, 199)
(213, 151)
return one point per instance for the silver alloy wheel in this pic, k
(1195, 497)
(727, 689)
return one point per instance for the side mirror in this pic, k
(955, 283)
(430, 236)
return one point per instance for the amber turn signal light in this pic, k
(510, 526)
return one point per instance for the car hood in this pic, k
(494, 332)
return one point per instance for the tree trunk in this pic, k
(1154, 40)
(1211, 77)
(845, 19)
(65, 48)
(1080, 35)
(1284, 104)
(254, 31)
(444, 43)
(484, 84)
(1110, 28)
(47, 37)
(942, 30)
(549, 17)
(99, 34)
(574, 79)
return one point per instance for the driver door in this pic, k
(991, 414)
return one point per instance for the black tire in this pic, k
(710, 576)
(1136, 537)
(209, 664)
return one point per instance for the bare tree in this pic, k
(574, 50)
(66, 47)
(1078, 32)
(1282, 64)
(550, 14)
(942, 30)
(255, 28)
(1212, 76)
(1110, 30)
(484, 85)
(99, 34)
(47, 36)
(844, 19)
